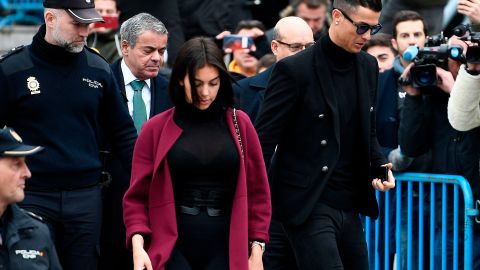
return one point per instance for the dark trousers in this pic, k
(74, 219)
(329, 239)
(278, 253)
(202, 243)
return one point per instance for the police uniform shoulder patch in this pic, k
(12, 52)
(33, 215)
(95, 51)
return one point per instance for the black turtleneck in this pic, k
(49, 52)
(205, 157)
(341, 187)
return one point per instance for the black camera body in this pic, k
(435, 54)
(424, 71)
(464, 31)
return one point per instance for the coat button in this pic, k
(324, 169)
(323, 143)
(321, 115)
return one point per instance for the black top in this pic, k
(205, 157)
(340, 189)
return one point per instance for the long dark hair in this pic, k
(195, 54)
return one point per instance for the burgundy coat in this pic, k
(149, 207)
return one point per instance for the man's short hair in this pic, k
(311, 4)
(249, 24)
(351, 5)
(380, 39)
(132, 28)
(407, 15)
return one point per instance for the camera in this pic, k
(236, 42)
(464, 31)
(435, 54)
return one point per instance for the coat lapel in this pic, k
(326, 88)
(365, 100)
(117, 72)
(169, 135)
(153, 95)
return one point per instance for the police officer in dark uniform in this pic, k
(24, 240)
(57, 93)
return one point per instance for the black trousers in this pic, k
(74, 219)
(278, 253)
(329, 239)
(202, 243)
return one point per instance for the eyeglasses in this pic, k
(362, 28)
(295, 47)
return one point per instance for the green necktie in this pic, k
(139, 109)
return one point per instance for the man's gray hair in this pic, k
(132, 28)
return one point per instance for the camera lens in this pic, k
(424, 75)
(425, 78)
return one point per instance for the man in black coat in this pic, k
(319, 114)
(143, 42)
(290, 36)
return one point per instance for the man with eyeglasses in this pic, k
(317, 131)
(291, 35)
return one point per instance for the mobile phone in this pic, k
(381, 173)
(111, 22)
(236, 42)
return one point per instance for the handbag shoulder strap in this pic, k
(237, 130)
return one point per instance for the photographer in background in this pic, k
(245, 60)
(463, 106)
(409, 28)
(424, 127)
(104, 36)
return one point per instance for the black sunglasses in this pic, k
(362, 28)
(294, 47)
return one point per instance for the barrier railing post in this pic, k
(470, 212)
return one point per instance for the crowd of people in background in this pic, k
(162, 147)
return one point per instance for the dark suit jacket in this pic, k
(159, 87)
(249, 93)
(300, 115)
(113, 195)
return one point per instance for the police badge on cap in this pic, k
(82, 11)
(11, 145)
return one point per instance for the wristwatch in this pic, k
(258, 243)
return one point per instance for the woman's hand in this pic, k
(255, 260)
(140, 257)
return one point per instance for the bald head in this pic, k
(290, 36)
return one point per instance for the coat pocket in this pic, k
(293, 178)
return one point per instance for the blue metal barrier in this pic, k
(20, 8)
(380, 257)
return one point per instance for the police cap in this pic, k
(11, 145)
(82, 11)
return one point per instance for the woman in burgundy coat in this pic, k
(199, 196)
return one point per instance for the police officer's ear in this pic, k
(50, 17)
